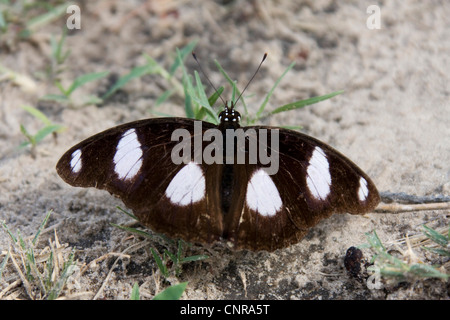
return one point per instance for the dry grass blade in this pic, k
(11, 286)
(22, 277)
(43, 272)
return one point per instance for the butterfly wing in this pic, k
(312, 182)
(133, 162)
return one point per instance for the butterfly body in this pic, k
(240, 202)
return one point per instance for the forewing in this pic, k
(133, 162)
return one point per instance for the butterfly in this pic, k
(240, 202)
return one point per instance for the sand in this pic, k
(392, 120)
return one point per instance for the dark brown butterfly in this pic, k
(242, 203)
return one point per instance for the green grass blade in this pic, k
(426, 271)
(162, 267)
(201, 114)
(30, 138)
(140, 232)
(91, 100)
(3, 265)
(155, 67)
(172, 257)
(37, 114)
(266, 100)
(181, 57)
(164, 96)
(59, 85)
(46, 18)
(201, 94)
(435, 236)
(11, 235)
(213, 98)
(224, 73)
(374, 241)
(135, 292)
(55, 97)
(391, 272)
(180, 250)
(3, 24)
(41, 134)
(132, 216)
(136, 72)
(21, 242)
(50, 270)
(211, 115)
(203, 100)
(134, 230)
(30, 256)
(57, 48)
(187, 89)
(442, 252)
(32, 269)
(41, 227)
(69, 269)
(234, 92)
(233, 85)
(302, 103)
(85, 78)
(24, 144)
(395, 262)
(172, 293)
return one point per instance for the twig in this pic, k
(402, 197)
(396, 207)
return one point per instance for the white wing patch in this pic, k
(318, 177)
(262, 194)
(128, 157)
(75, 162)
(363, 191)
(188, 185)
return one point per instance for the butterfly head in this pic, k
(229, 118)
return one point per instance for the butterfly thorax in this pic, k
(229, 118)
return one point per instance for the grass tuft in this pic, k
(409, 264)
(42, 272)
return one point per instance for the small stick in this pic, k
(398, 207)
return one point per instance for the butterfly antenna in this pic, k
(264, 58)
(207, 78)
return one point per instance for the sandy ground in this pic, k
(393, 121)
